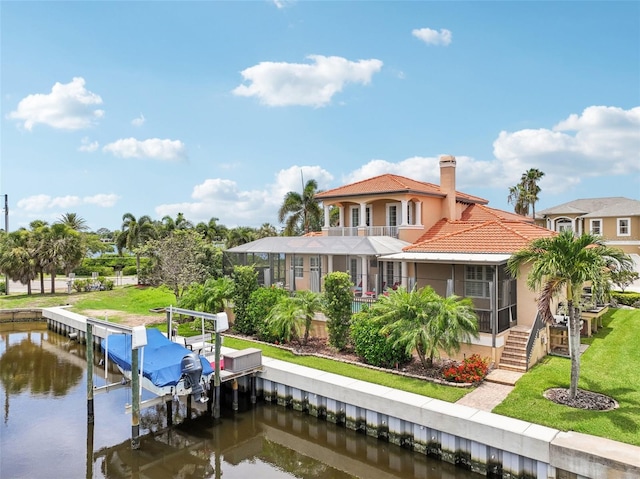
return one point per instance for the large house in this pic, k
(616, 219)
(395, 231)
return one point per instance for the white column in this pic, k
(341, 209)
(404, 280)
(330, 263)
(365, 273)
(405, 205)
(419, 213)
(327, 220)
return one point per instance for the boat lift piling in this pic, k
(138, 340)
(220, 324)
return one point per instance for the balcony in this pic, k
(364, 231)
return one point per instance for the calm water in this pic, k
(44, 432)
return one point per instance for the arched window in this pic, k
(563, 224)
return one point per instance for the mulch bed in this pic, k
(584, 399)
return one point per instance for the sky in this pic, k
(218, 109)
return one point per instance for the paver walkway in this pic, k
(496, 386)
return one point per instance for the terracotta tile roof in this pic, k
(389, 183)
(485, 213)
(313, 233)
(478, 237)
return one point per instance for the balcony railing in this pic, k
(366, 231)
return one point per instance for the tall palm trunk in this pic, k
(574, 346)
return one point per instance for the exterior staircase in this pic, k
(514, 355)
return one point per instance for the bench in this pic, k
(199, 343)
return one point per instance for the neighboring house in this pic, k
(616, 219)
(394, 231)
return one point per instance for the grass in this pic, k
(138, 301)
(417, 386)
(130, 299)
(609, 366)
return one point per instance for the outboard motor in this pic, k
(192, 372)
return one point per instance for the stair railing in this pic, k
(538, 325)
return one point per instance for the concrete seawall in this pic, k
(481, 441)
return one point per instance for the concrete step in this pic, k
(511, 367)
(513, 357)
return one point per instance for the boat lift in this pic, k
(138, 335)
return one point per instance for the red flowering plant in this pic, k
(471, 370)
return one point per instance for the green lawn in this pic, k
(424, 388)
(129, 299)
(611, 365)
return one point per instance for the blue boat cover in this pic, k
(162, 358)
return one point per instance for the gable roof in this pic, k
(595, 207)
(393, 184)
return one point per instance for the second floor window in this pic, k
(355, 216)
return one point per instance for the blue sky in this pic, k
(217, 109)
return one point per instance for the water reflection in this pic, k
(47, 435)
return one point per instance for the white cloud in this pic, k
(38, 203)
(602, 141)
(470, 172)
(153, 148)
(433, 37)
(222, 199)
(306, 84)
(564, 159)
(69, 106)
(103, 200)
(139, 121)
(87, 145)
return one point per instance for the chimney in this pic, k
(448, 186)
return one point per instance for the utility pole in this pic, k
(6, 230)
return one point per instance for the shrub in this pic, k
(129, 270)
(260, 303)
(338, 297)
(372, 346)
(628, 299)
(472, 370)
(80, 285)
(3, 287)
(245, 282)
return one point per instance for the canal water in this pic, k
(45, 434)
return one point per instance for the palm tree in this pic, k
(525, 194)
(301, 212)
(240, 235)
(287, 320)
(563, 263)
(267, 230)
(518, 198)
(426, 322)
(72, 220)
(17, 259)
(530, 182)
(62, 249)
(211, 231)
(310, 303)
(211, 296)
(134, 234)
